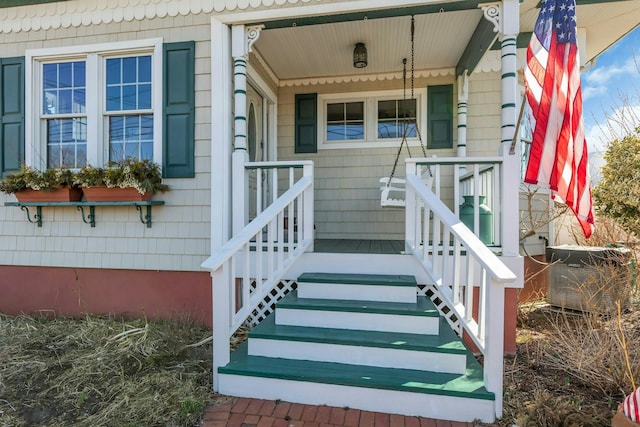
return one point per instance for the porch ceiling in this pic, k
(323, 50)
(326, 50)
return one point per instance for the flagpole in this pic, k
(512, 150)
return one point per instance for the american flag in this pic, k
(558, 155)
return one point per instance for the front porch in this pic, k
(394, 290)
(350, 290)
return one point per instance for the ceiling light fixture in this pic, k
(360, 56)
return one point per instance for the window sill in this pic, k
(91, 217)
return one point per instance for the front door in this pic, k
(255, 146)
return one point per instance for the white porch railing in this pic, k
(465, 272)
(270, 179)
(471, 176)
(252, 263)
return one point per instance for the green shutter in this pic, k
(11, 114)
(178, 125)
(306, 123)
(440, 116)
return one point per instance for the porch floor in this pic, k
(243, 412)
(355, 246)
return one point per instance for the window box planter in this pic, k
(65, 194)
(114, 194)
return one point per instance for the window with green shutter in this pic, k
(440, 116)
(179, 109)
(306, 123)
(11, 114)
(140, 105)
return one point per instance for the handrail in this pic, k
(247, 233)
(250, 265)
(469, 176)
(496, 268)
(466, 274)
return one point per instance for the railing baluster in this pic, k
(290, 226)
(246, 278)
(426, 226)
(270, 243)
(259, 260)
(476, 198)
(233, 287)
(446, 272)
(280, 229)
(259, 172)
(469, 285)
(497, 206)
(437, 180)
(482, 305)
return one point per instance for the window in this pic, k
(373, 119)
(345, 121)
(65, 113)
(129, 110)
(98, 103)
(397, 119)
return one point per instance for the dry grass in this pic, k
(103, 372)
(570, 368)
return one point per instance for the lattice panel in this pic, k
(432, 293)
(268, 304)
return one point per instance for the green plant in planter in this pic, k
(33, 179)
(90, 176)
(143, 175)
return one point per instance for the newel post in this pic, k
(410, 209)
(494, 341)
(221, 320)
(307, 171)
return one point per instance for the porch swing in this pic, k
(391, 194)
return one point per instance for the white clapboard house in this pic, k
(278, 125)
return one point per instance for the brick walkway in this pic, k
(241, 412)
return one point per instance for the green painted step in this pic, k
(423, 307)
(446, 342)
(468, 385)
(359, 279)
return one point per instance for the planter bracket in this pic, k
(90, 217)
(37, 218)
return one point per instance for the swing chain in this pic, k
(404, 81)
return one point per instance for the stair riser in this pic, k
(359, 355)
(345, 291)
(390, 401)
(355, 320)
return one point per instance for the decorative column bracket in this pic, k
(252, 34)
(493, 13)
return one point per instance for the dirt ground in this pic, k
(569, 370)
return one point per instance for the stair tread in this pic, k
(468, 385)
(422, 307)
(446, 342)
(359, 279)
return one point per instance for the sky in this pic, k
(611, 87)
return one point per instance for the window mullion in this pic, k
(94, 110)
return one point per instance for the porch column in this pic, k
(510, 20)
(463, 97)
(241, 40)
